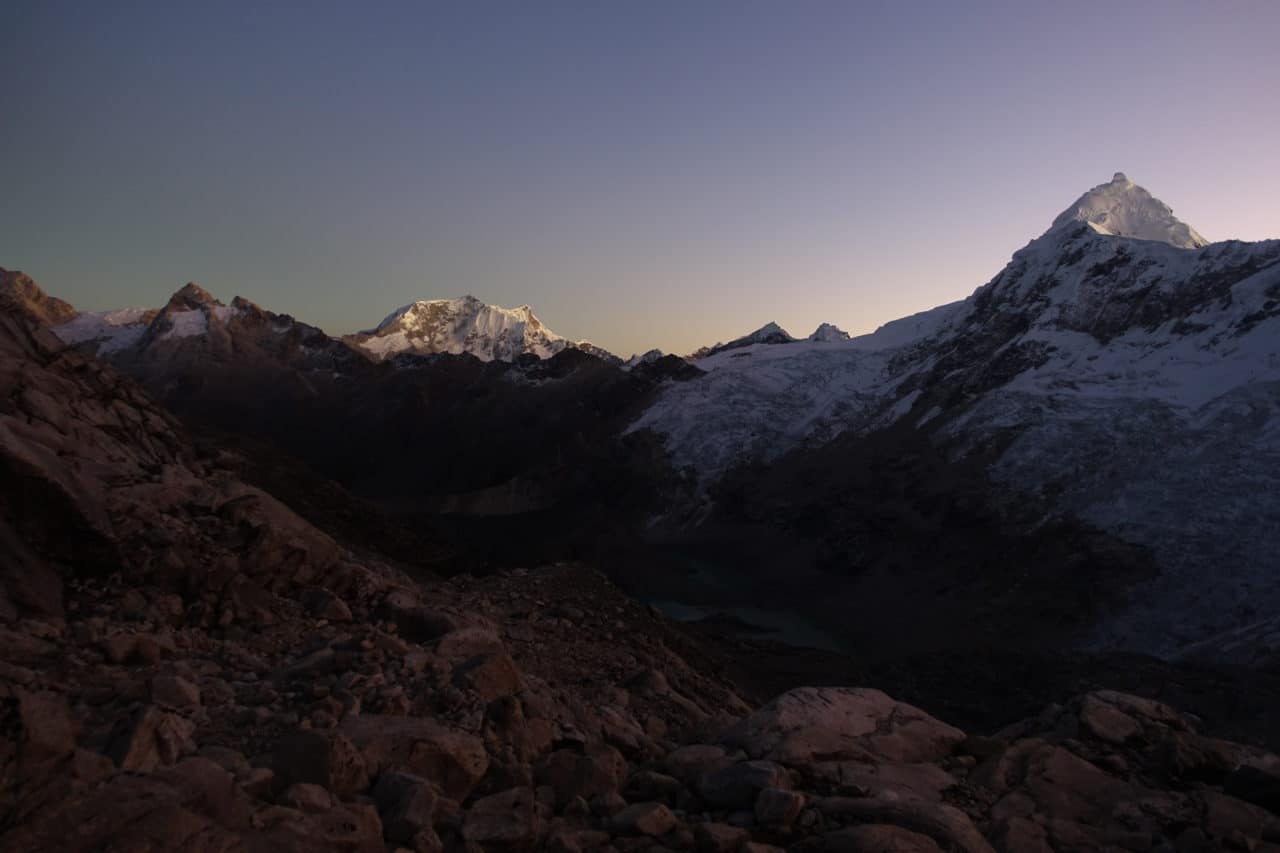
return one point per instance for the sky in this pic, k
(644, 174)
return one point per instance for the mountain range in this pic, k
(1120, 373)
(264, 588)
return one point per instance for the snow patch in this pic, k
(186, 324)
(114, 330)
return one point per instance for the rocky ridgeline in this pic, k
(189, 665)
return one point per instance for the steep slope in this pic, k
(465, 325)
(19, 294)
(1124, 209)
(1125, 379)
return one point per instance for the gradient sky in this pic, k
(644, 174)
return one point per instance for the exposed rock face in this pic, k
(20, 295)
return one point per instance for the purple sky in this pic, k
(643, 174)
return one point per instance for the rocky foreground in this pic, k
(187, 664)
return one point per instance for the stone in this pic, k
(490, 676)
(778, 807)
(1225, 815)
(503, 821)
(463, 644)
(352, 828)
(921, 780)
(1188, 756)
(327, 759)
(945, 824)
(570, 774)
(453, 761)
(151, 739)
(323, 604)
(651, 785)
(570, 840)
(406, 804)
(652, 819)
(48, 731)
(202, 786)
(690, 763)
(830, 723)
(880, 838)
(230, 760)
(738, 785)
(118, 648)
(1107, 722)
(307, 797)
(606, 805)
(719, 837)
(311, 666)
(174, 691)
(258, 782)
(151, 648)
(1021, 834)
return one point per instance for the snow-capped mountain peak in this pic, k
(829, 333)
(769, 333)
(464, 325)
(1121, 208)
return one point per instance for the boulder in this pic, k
(327, 759)
(778, 807)
(738, 785)
(652, 819)
(463, 644)
(46, 730)
(503, 821)
(491, 676)
(453, 761)
(597, 771)
(719, 837)
(878, 838)
(306, 797)
(406, 804)
(830, 723)
(349, 828)
(1107, 722)
(150, 739)
(690, 763)
(949, 827)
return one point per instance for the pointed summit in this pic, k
(829, 333)
(191, 296)
(1121, 208)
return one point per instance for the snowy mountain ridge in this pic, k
(455, 326)
(465, 325)
(1115, 364)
